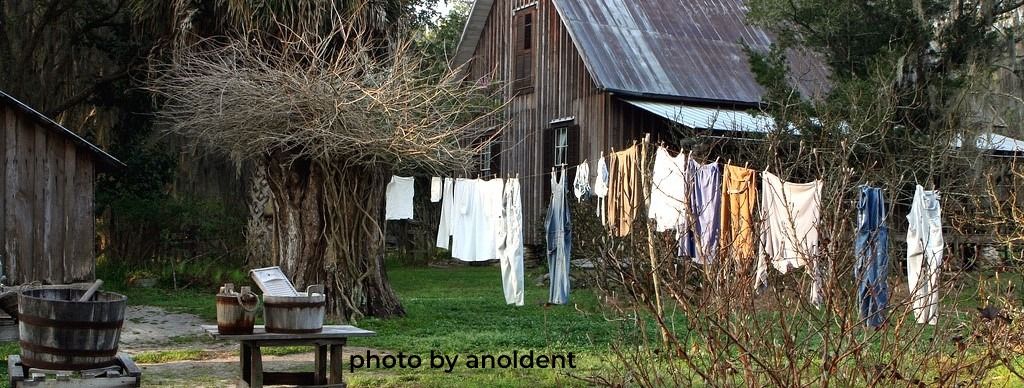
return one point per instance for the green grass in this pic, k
(461, 311)
(160, 356)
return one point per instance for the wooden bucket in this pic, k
(295, 314)
(58, 332)
(236, 311)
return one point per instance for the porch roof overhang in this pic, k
(700, 117)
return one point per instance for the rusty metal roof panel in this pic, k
(686, 49)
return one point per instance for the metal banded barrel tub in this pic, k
(295, 314)
(60, 333)
(236, 311)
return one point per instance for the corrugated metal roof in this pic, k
(685, 49)
(54, 126)
(993, 142)
(708, 118)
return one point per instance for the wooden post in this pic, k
(655, 276)
(256, 373)
(245, 359)
(320, 371)
(335, 374)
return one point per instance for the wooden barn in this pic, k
(587, 76)
(46, 207)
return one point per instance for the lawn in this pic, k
(452, 311)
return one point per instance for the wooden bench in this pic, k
(124, 374)
(327, 344)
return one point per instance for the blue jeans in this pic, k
(872, 251)
(559, 242)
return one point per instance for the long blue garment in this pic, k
(871, 248)
(559, 242)
(705, 203)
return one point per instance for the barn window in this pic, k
(489, 160)
(523, 24)
(561, 146)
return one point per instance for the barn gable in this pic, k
(665, 49)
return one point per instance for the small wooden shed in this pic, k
(47, 222)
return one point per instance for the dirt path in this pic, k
(152, 328)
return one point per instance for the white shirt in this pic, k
(435, 189)
(601, 182)
(668, 190)
(398, 199)
(477, 217)
(791, 213)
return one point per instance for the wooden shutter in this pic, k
(522, 52)
(572, 156)
(548, 157)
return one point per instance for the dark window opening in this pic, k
(522, 53)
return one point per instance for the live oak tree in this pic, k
(331, 117)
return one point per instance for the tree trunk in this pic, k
(328, 229)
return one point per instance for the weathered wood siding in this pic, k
(562, 88)
(47, 204)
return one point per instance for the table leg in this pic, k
(320, 373)
(256, 375)
(336, 377)
(245, 359)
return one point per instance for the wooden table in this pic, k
(329, 341)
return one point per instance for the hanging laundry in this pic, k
(398, 198)
(581, 185)
(625, 189)
(601, 189)
(701, 240)
(488, 218)
(477, 216)
(462, 218)
(510, 244)
(872, 251)
(790, 214)
(924, 254)
(739, 194)
(446, 225)
(559, 241)
(435, 189)
(669, 190)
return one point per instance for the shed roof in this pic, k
(667, 49)
(54, 126)
(708, 118)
